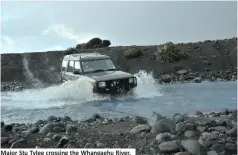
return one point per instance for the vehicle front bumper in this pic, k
(122, 86)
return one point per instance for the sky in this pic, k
(37, 26)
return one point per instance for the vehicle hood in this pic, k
(109, 75)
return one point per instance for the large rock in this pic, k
(166, 78)
(169, 147)
(197, 80)
(191, 146)
(141, 128)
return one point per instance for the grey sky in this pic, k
(29, 26)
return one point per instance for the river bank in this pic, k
(212, 133)
(208, 60)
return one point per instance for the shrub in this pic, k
(79, 46)
(132, 52)
(106, 43)
(70, 50)
(170, 53)
(93, 43)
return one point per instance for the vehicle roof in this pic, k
(85, 56)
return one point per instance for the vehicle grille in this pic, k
(119, 83)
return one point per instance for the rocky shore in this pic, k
(200, 134)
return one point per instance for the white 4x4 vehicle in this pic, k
(99, 70)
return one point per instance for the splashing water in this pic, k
(78, 92)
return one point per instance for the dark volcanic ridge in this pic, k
(201, 134)
(207, 60)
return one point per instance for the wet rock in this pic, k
(47, 128)
(232, 148)
(33, 130)
(212, 153)
(39, 122)
(56, 137)
(166, 78)
(169, 147)
(163, 125)
(179, 117)
(190, 134)
(197, 80)
(191, 146)
(161, 137)
(139, 120)
(19, 143)
(141, 128)
(71, 129)
(218, 147)
(181, 72)
(52, 119)
(199, 113)
(67, 119)
(98, 116)
(63, 141)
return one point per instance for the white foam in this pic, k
(75, 92)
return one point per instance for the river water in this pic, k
(76, 100)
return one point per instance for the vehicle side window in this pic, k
(71, 66)
(77, 66)
(64, 65)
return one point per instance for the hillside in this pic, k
(207, 60)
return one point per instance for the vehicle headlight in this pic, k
(101, 84)
(131, 80)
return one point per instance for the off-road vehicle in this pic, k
(99, 70)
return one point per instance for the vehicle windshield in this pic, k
(97, 65)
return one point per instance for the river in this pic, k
(76, 100)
